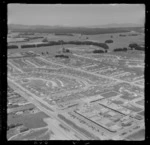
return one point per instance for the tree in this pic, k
(67, 50)
(136, 46)
(45, 40)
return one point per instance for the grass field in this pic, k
(28, 120)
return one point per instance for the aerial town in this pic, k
(72, 84)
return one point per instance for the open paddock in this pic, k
(79, 62)
(110, 94)
(129, 97)
(28, 120)
(118, 102)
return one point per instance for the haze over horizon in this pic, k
(76, 15)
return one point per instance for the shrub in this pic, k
(109, 41)
(120, 49)
(62, 56)
(12, 46)
(98, 51)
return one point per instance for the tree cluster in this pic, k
(98, 51)
(122, 35)
(120, 49)
(136, 46)
(65, 50)
(66, 34)
(28, 46)
(12, 47)
(109, 41)
(133, 35)
(52, 43)
(62, 56)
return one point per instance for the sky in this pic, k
(75, 15)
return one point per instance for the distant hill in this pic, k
(115, 25)
(66, 29)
